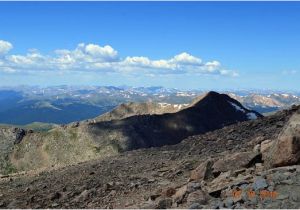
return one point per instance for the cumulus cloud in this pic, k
(93, 57)
(106, 52)
(5, 47)
(185, 58)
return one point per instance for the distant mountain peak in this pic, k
(225, 105)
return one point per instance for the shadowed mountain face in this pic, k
(212, 111)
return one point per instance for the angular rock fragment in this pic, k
(203, 171)
(236, 161)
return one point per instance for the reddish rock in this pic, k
(169, 192)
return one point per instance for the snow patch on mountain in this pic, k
(251, 116)
(238, 108)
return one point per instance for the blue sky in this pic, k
(187, 45)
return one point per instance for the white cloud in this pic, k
(185, 58)
(212, 66)
(137, 61)
(92, 57)
(106, 52)
(5, 47)
(85, 57)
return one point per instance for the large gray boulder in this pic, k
(285, 150)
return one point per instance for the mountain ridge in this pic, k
(79, 142)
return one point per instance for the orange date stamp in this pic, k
(263, 194)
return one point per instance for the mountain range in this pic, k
(65, 104)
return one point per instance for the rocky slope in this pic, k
(230, 167)
(132, 109)
(85, 141)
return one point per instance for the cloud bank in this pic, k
(95, 58)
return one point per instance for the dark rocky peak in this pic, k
(224, 105)
(212, 111)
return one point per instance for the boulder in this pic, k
(285, 152)
(164, 203)
(195, 206)
(218, 183)
(180, 193)
(259, 184)
(184, 190)
(198, 196)
(147, 205)
(203, 171)
(235, 161)
(193, 186)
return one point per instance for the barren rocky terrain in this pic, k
(233, 167)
